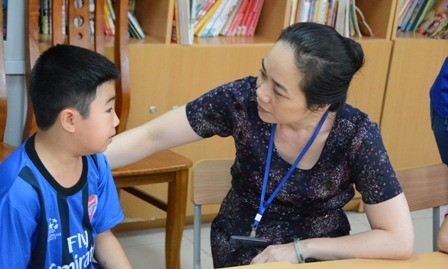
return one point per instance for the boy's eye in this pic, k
(109, 110)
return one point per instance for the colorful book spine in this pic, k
(256, 15)
(238, 18)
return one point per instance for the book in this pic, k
(340, 17)
(202, 23)
(206, 31)
(183, 23)
(434, 18)
(429, 5)
(174, 26)
(331, 12)
(109, 26)
(322, 12)
(222, 18)
(441, 29)
(252, 26)
(238, 18)
(230, 19)
(407, 16)
(415, 14)
(134, 25)
(303, 11)
(354, 18)
(404, 9)
(247, 13)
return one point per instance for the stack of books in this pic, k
(427, 17)
(227, 18)
(211, 18)
(343, 15)
(45, 20)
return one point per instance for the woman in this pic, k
(292, 130)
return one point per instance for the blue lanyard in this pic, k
(263, 204)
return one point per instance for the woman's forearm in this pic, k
(371, 244)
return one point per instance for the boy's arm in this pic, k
(109, 253)
(15, 237)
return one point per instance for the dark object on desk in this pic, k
(249, 241)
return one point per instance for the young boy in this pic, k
(58, 200)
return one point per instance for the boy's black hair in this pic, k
(67, 76)
(327, 60)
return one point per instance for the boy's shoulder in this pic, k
(16, 181)
(100, 162)
(11, 167)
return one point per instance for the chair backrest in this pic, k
(78, 28)
(425, 187)
(211, 180)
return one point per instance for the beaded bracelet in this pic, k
(298, 250)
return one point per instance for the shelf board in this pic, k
(413, 35)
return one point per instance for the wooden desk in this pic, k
(166, 166)
(433, 260)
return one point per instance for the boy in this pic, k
(58, 202)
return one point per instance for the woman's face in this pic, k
(279, 97)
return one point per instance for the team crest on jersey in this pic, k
(53, 229)
(92, 205)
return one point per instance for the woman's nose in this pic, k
(262, 93)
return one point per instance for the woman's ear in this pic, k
(320, 109)
(323, 109)
(68, 118)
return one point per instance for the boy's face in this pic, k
(98, 128)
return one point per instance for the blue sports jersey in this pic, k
(60, 234)
(439, 92)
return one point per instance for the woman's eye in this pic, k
(109, 110)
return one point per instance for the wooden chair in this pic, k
(164, 167)
(5, 149)
(426, 187)
(211, 180)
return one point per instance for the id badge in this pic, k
(249, 241)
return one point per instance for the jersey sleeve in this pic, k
(108, 212)
(18, 211)
(215, 112)
(373, 174)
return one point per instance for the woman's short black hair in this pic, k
(66, 76)
(327, 61)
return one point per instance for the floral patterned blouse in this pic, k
(310, 204)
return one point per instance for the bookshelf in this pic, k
(405, 121)
(165, 75)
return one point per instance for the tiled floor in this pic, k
(146, 248)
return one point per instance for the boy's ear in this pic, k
(67, 118)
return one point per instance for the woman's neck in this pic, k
(307, 124)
